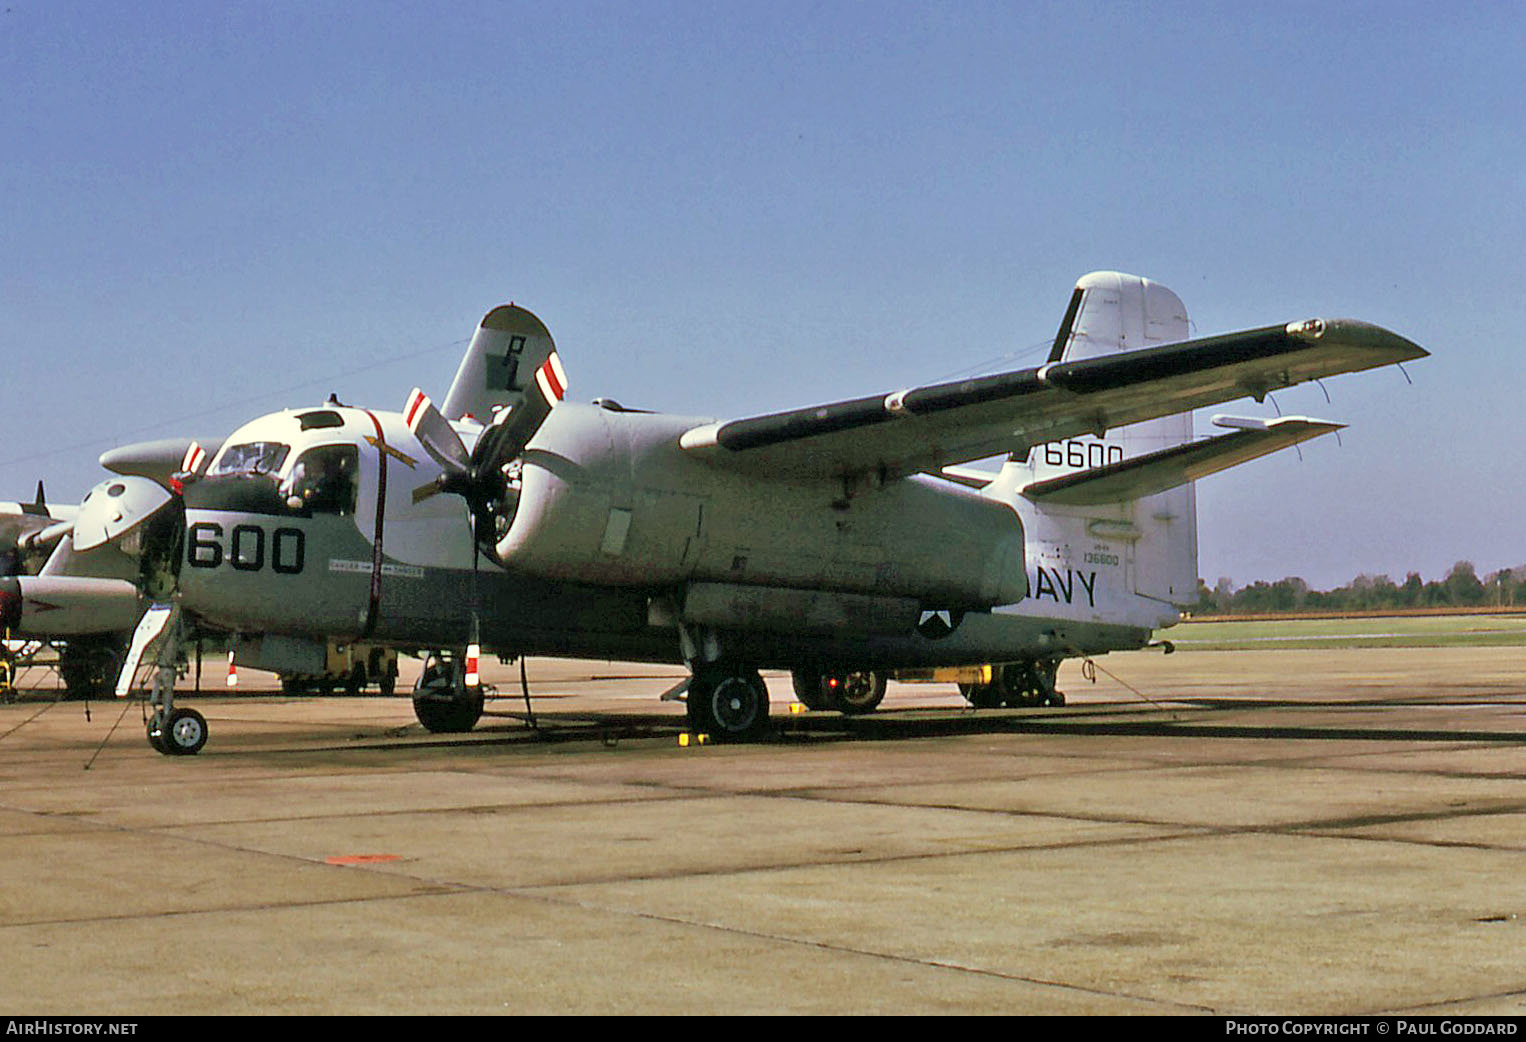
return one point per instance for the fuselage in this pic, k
(307, 523)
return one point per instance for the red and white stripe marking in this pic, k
(552, 379)
(473, 657)
(232, 671)
(418, 405)
(195, 456)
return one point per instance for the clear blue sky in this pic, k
(210, 210)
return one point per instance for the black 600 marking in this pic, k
(246, 548)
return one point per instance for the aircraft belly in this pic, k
(979, 637)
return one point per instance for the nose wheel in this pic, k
(178, 732)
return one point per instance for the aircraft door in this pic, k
(327, 488)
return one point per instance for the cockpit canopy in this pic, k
(305, 470)
(255, 457)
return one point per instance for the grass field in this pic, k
(1428, 631)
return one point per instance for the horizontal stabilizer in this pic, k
(1158, 471)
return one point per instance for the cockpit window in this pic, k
(319, 419)
(325, 479)
(257, 457)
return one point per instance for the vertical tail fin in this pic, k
(509, 348)
(1153, 539)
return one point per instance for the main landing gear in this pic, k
(442, 701)
(1017, 684)
(853, 692)
(728, 703)
(89, 666)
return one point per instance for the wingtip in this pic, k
(1365, 334)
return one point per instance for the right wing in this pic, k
(926, 428)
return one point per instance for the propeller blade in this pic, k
(436, 434)
(512, 430)
(432, 488)
(195, 459)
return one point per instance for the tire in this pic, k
(355, 682)
(442, 703)
(89, 668)
(449, 715)
(807, 688)
(855, 693)
(1019, 685)
(155, 731)
(729, 707)
(184, 733)
(981, 696)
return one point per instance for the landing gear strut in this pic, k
(172, 730)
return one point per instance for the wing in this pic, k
(925, 428)
(1158, 471)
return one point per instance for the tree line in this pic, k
(1462, 588)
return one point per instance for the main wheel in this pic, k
(854, 693)
(808, 689)
(1020, 686)
(981, 696)
(89, 667)
(729, 707)
(442, 702)
(455, 715)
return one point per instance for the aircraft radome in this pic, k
(822, 540)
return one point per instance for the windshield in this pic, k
(257, 457)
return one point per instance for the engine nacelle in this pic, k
(47, 606)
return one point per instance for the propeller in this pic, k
(479, 477)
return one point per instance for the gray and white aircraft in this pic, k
(821, 540)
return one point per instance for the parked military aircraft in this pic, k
(817, 539)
